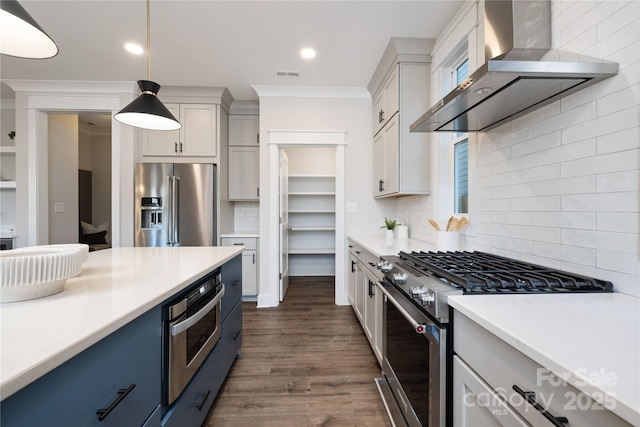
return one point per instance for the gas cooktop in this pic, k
(428, 278)
(480, 272)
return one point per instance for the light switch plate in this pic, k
(352, 207)
(58, 207)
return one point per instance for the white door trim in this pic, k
(34, 100)
(295, 138)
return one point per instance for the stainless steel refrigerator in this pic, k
(175, 204)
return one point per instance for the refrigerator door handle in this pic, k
(169, 221)
(175, 194)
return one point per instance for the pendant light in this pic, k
(147, 111)
(20, 34)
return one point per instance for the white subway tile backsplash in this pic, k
(533, 204)
(621, 222)
(564, 253)
(578, 150)
(494, 180)
(618, 261)
(577, 185)
(536, 174)
(530, 119)
(494, 205)
(614, 162)
(619, 181)
(602, 202)
(616, 47)
(627, 139)
(494, 156)
(566, 220)
(522, 162)
(582, 238)
(536, 234)
(625, 15)
(618, 242)
(542, 142)
(580, 114)
(560, 186)
(246, 216)
(603, 125)
(521, 218)
(619, 101)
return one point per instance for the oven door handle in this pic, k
(179, 328)
(420, 328)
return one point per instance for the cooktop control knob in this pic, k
(427, 299)
(386, 267)
(400, 277)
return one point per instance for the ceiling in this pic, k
(234, 44)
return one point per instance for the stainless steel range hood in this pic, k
(523, 74)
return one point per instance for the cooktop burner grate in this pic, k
(481, 272)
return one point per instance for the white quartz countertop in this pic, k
(115, 287)
(379, 245)
(590, 340)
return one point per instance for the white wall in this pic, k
(561, 186)
(63, 178)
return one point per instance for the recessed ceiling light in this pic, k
(134, 48)
(308, 53)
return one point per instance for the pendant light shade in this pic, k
(20, 34)
(147, 111)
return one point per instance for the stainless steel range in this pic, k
(416, 286)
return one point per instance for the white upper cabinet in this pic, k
(385, 104)
(244, 130)
(400, 88)
(244, 157)
(244, 176)
(197, 137)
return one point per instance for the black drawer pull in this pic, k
(204, 400)
(235, 337)
(530, 397)
(122, 393)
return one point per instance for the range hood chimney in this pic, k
(523, 74)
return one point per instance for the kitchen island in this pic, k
(116, 288)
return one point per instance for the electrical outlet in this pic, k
(58, 207)
(352, 207)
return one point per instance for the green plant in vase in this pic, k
(389, 225)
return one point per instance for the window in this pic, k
(461, 176)
(460, 152)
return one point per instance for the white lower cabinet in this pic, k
(476, 404)
(373, 313)
(249, 263)
(495, 384)
(364, 296)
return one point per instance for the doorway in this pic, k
(316, 190)
(79, 178)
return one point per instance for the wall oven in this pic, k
(414, 366)
(191, 329)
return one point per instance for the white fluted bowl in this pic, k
(38, 271)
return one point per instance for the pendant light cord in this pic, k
(148, 41)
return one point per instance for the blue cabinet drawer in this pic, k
(231, 338)
(232, 279)
(191, 408)
(73, 393)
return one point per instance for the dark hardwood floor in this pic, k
(305, 363)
